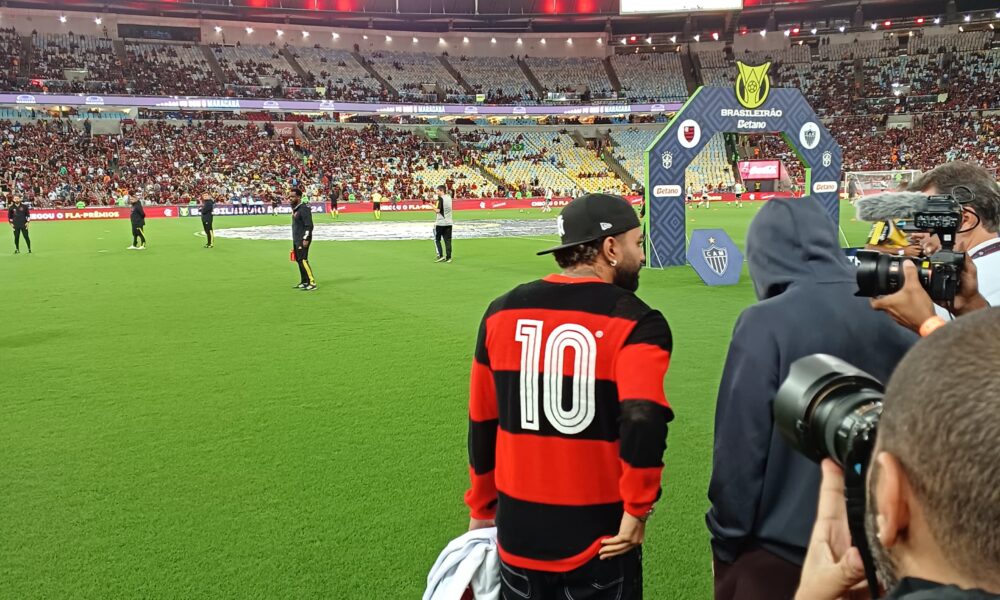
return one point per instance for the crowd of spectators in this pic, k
(934, 138)
(10, 57)
(57, 53)
(170, 69)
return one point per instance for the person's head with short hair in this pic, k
(296, 197)
(934, 488)
(978, 192)
(601, 236)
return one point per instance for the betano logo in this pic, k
(667, 191)
(752, 85)
(824, 187)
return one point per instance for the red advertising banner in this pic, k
(94, 213)
(759, 169)
(156, 212)
(284, 129)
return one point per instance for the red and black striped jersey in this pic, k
(567, 418)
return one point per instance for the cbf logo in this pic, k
(184, 211)
(667, 160)
(717, 258)
(827, 158)
(752, 85)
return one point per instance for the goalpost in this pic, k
(865, 183)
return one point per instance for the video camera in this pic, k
(881, 274)
(827, 408)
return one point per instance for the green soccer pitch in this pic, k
(181, 423)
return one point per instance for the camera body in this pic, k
(881, 274)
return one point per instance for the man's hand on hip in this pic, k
(481, 523)
(631, 533)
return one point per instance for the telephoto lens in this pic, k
(825, 405)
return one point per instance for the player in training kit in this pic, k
(739, 195)
(443, 224)
(547, 205)
(689, 198)
(334, 199)
(19, 215)
(377, 205)
(207, 216)
(704, 196)
(138, 218)
(567, 415)
(302, 229)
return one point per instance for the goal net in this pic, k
(865, 183)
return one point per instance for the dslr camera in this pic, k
(882, 274)
(829, 408)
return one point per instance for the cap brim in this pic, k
(609, 233)
(551, 250)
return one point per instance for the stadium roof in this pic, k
(508, 15)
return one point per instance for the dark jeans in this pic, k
(443, 232)
(756, 575)
(618, 578)
(137, 236)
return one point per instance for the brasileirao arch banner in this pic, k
(749, 106)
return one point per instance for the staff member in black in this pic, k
(138, 223)
(19, 216)
(302, 228)
(207, 210)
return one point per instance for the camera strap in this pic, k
(855, 494)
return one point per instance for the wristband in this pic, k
(931, 325)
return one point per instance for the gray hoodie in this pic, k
(764, 493)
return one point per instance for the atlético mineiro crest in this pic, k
(716, 258)
(827, 158)
(667, 160)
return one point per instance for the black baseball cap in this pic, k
(592, 217)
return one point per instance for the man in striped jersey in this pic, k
(567, 414)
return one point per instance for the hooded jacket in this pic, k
(763, 492)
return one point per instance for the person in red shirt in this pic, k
(568, 417)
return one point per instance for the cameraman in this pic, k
(979, 195)
(763, 492)
(933, 498)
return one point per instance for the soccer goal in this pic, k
(864, 183)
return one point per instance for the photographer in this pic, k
(933, 501)
(978, 197)
(979, 194)
(763, 493)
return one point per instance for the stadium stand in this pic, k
(157, 68)
(251, 70)
(710, 168)
(69, 61)
(409, 73)
(500, 78)
(10, 61)
(630, 144)
(651, 77)
(955, 42)
(573, 74)
(340, 73)
(843, 48)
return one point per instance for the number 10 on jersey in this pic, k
(568, 336)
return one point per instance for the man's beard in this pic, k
(885, 566)
(628, 279)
